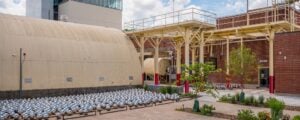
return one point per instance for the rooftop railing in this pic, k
(176, 17)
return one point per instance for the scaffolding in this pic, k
(194, 28)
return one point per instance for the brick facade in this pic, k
(287, 63)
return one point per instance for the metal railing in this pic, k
(176, 17)
(258, 17)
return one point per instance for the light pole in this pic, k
(173, 11)
(21, 73)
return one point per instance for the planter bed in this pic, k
(214, 114)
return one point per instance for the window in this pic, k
(114, 4)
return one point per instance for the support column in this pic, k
(142, 43)
(227, 56)
(271, 62)
(187, 41)
(201, 52)
(156, 75)
(242, 59)
(211, 50)
(155, 44)
(178, 64)
(193, 55)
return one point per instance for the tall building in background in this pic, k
(40, 9)
(106, 13)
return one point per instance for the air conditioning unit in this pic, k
(63, 18)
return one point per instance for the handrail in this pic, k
(175, 17)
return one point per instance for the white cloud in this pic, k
(254, 4)
(137, 9)
(15, 7)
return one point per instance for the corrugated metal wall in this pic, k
(91, 56)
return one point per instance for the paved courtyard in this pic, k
(160, 112)
(167, 111)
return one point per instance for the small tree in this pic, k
(197, 74)
(243, 63)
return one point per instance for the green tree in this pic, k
(243, 63)
(197, 74)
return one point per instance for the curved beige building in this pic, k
(64, 55)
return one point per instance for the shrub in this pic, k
(146, 87)
(255, 102)
(242, 96)
(224, 98)
(247, 101)
(246, 115)
(261, 99)
(189, 95)
(286, 117)
(233, 100)
(163, 90)
(207, 109)
(276, 108)
(297, 117)
(264, 116)
(237, 97)
(251, 98)
(169, 89)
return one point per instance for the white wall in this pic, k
(91, 14)
(34, 8)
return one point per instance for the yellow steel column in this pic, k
(211, 50)
(178, 63)
(201, 52)
(193, 55)
(156, 55)
(271, 61)
(187, 41)
(142, 45)
(227, 56)
(242, 59)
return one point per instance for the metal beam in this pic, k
(227, 56)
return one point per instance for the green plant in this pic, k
(276, 108)
(255, 102)
(243, 63)
(251, 99)
(247, 101)
(261, 99)
(223, 98)
(197, 73)
(226, 98)
(246, 115)
(297, 117)
(163, 90)
(237, 96)
(263, 115)
(233, 100)
(207, 109)
(146, 87)
(242, 96)
(169, 89)
(189, 95)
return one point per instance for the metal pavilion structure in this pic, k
(193, 29)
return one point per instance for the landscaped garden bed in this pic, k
(208, 113)
(241, 99)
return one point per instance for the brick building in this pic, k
(286, 61)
